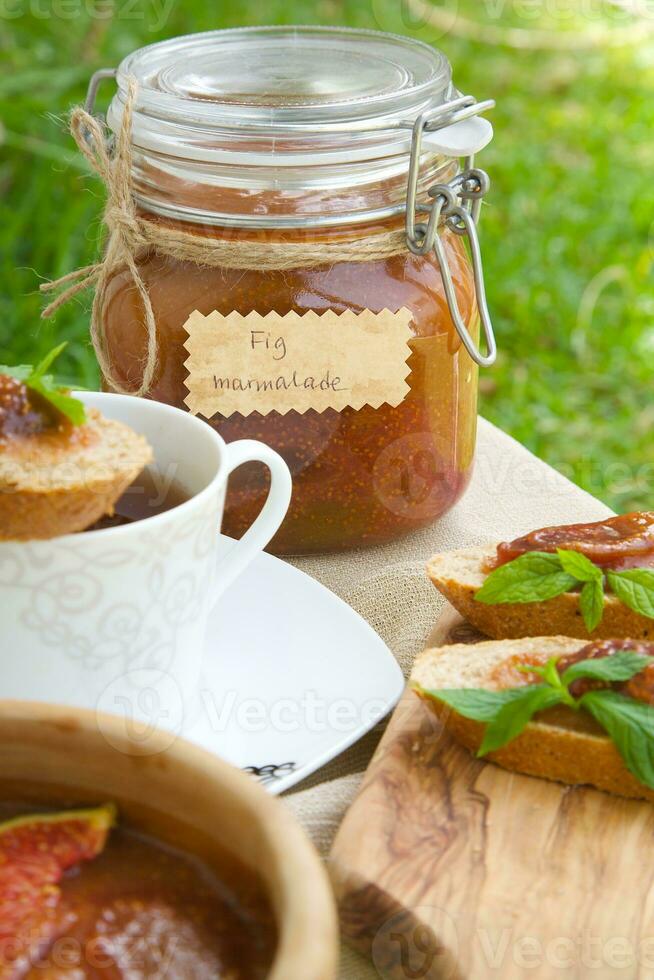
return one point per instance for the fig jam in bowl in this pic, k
(203, 874)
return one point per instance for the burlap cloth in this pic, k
(511, 492)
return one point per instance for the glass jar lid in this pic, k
(271, 78)
(290, 121)
(294, 69)
(291, 74)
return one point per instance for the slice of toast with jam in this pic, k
(57, 477)
(558, 743)
(618, 550)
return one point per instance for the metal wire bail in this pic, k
(96, 80)
(456, 203)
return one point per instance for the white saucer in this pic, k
(296, 678)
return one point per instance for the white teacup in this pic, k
(116, 617)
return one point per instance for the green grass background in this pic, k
(567, 234)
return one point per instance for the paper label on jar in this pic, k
(269, 363)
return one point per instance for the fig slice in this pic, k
(35, 851)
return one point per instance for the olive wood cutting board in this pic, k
(450, 867)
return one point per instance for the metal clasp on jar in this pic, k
(456, 204)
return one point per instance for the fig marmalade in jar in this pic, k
(329, 305)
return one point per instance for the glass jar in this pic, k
(304, 136)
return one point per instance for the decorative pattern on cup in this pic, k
(114, 600)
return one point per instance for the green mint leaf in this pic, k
(44, 385)
(591, 603)
(533, 577)
(635, 587)
(617, 667)
(551, 676)
(514, 716)
(39, 371)
(475, 703)
(630, 724)
(574, 563)
(72, 408)
(547, 671)
(505, 712)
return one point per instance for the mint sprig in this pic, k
(477, 703)
(619, 666)
(591, 599)
(629, 723)
(38, 380)
(635, 587)
(540, 575)
(533, 577)
(578, 565)
(591, 603)
(515, 715)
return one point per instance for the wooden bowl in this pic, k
(181, 794)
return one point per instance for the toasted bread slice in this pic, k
(62, 483)
(459, 574)
(560, 744)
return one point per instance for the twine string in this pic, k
(129, 234)
(124, 239)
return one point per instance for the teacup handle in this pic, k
(272, 513)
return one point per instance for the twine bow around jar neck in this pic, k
(130, 234)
